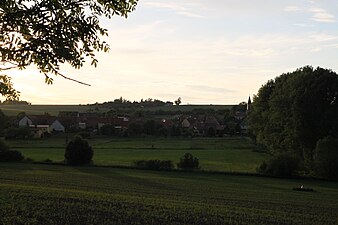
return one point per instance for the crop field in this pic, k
(49, 194)
(216, 154)
(13, 110)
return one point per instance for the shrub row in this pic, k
(154, 164)
(187, 162)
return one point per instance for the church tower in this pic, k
(248, 106)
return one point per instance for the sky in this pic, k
(204, 51)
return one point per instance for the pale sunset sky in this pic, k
(204, 51)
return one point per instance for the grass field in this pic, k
(218, 154)
(13, 110)
(47, 194)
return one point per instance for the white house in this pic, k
(57, 126)
(42, 123)
(25, 121)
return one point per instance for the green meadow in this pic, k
(50, 194)
(215, 154)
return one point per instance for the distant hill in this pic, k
(13, 110)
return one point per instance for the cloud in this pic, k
(316, 49)
(292, 8)
(178, 8)
(322, 15)
(302, 25)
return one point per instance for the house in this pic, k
(57, 126)
(42, 121)
(25, 121)
(186, 123)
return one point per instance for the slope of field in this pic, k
(13, 110)
(218, 154)
(46, 194)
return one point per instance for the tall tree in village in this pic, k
(295, 110)
(48, 33)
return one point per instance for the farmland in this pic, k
(216, 154)
(13, 110)
(47, 194)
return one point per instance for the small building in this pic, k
(25, 121)
(41, 124)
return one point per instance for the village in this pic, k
(233, 122)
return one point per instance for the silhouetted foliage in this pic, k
(18, 133)
(188, 162)
(78, 152)
(50, 33)
(293, 111)
(107, 129)
(15, 102)
(6, 86)
(150, 127)
(178, 101)
(326, 158)
(3, 119)
(10, 156)
(84, 134)
(3, 146)
(282, 165)
(154, 164)
(7, 155)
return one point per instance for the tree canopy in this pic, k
(47, 33)
(295, 110)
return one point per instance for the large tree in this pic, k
(48, 33)
(295, 110)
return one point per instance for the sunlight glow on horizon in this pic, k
(206, 52)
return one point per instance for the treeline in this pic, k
(295, 118)
(121, 102)
(15, 102)
(139, 113)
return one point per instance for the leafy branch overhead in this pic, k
(6, 88)
(48, 33)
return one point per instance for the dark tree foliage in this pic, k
(7, 155)
(3, 146)
(107, 129)
(10, 156)
(6, 87)
(293, 111)
(282, 165)
(3, 120)
(154, 164)
(47, 33)
(326, 158)
(78, 152)
(18, 133)
(188, 162)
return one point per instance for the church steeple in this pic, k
(248, 106)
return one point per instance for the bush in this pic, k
(188, 162)
(154, 164)
(84, 134)
(3, 146)
(7, 155)
(107, 129)
(283, 165)
(10, 156)
(18, 133)
(78, 152)
(326, 158)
